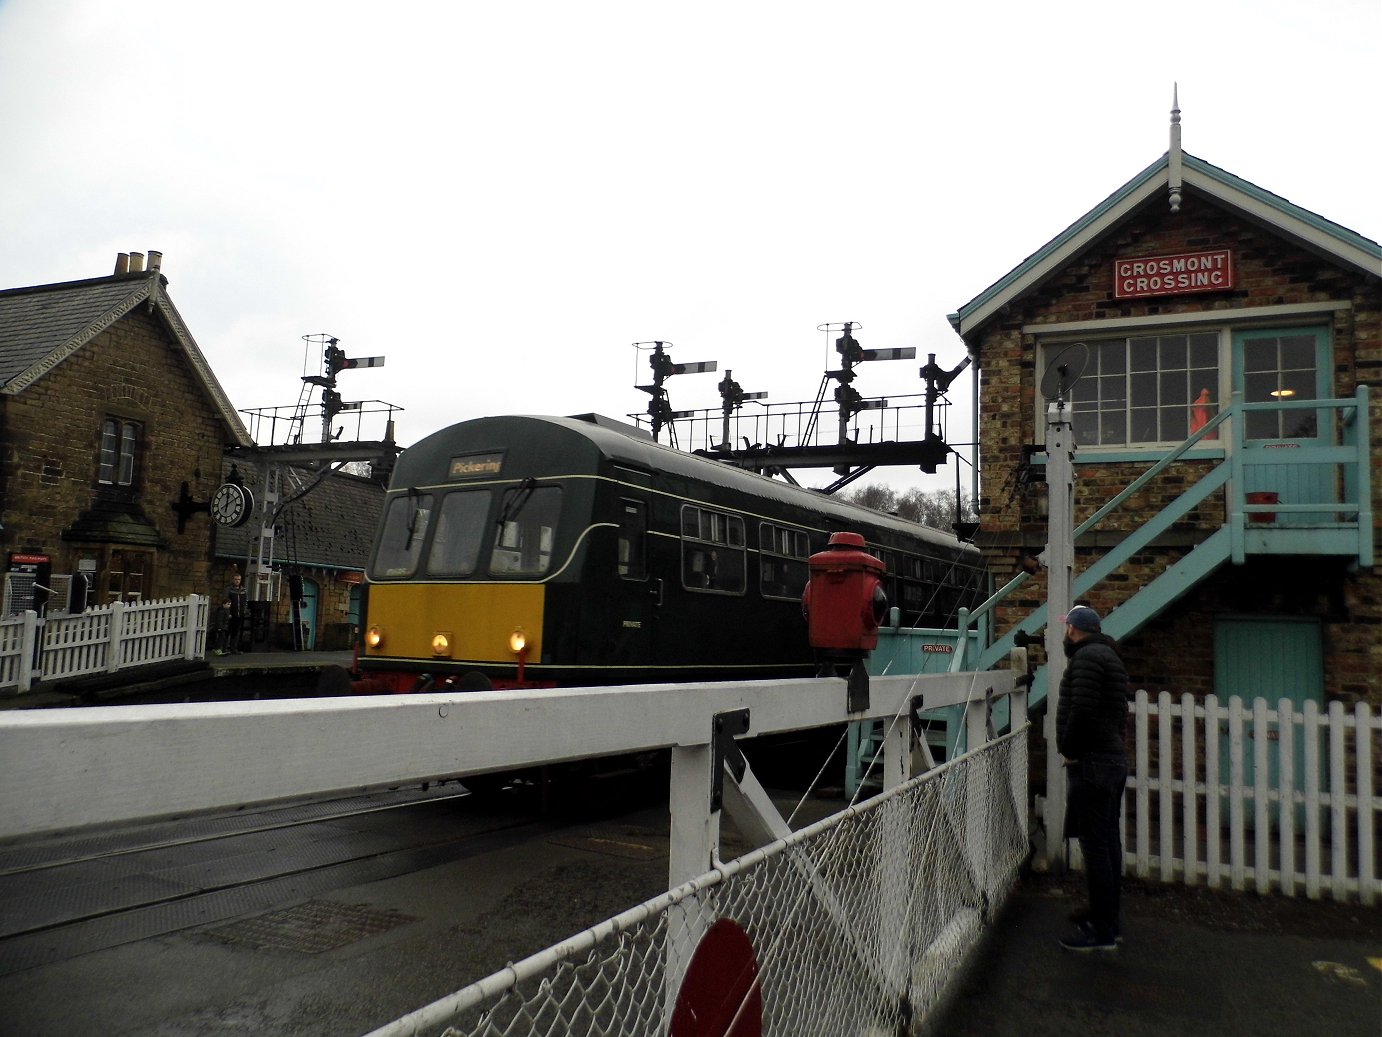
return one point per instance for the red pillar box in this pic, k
(845, 601)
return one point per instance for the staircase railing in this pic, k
(1244, 531)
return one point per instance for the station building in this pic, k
(1226, 344)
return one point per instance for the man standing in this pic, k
(1090, 719)
(234, 604)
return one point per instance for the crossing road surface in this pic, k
(313, 919)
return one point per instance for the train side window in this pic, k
(461, 524)
(712, 550)
(400, 544)
(783, 567)
(526, 536)
(633, 536)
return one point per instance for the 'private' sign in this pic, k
(1173, 275)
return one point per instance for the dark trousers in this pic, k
(1094, 808)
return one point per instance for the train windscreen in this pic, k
(400, 543)
(461, 524)
(526, 532)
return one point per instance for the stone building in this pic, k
(1200, 312)
(112, 433)
(116, 438)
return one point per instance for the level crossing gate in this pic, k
(864, 916)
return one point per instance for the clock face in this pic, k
(230, 505)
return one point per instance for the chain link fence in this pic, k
(854, 925)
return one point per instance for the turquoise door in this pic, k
(1286, 367)
(1272, 658)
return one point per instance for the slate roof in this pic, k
(1311, 230)
(42, 326)
(329, 527)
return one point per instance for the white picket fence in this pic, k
(104, 639)
(1255, 797)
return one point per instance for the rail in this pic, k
(1346, 459)
(1271, 797)
(104, 639)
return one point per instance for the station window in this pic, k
(527, 532)
(712, 550)
(461, 524)
(119, 445)
(783, 564)
(633, 536)
(400, 544)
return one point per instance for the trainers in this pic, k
(1086, 939)
(1089, 927)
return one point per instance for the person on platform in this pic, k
(1090, 719)
(233, 607)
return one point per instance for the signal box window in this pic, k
(119, 444)
(400, 544)
(461, 525)
(1279, 369)
(712, 550)
(527, 527)
(783, 568)
(633, 536)
(1145, 389)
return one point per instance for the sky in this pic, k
(501, 198)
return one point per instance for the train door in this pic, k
(642, 593)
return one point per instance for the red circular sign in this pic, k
(720, 995)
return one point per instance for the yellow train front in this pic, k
(577, 551)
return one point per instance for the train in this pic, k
(540, 551)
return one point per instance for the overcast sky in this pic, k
(501, 197)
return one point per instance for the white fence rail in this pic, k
(100, 640)
(1255, 796)
(854, 925)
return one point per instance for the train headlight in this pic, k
(374, 637)
(441, 643)
(518, 641)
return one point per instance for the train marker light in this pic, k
(374, 637)
(518, 641)
(441, 643)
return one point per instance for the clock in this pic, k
(231, 504)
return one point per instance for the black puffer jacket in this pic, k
(1093, 707)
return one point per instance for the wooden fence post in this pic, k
(115, 636)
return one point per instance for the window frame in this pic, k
(712, 531)
(771, 547)
(117, 461)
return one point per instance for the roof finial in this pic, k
(1173, 156)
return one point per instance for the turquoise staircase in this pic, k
(1340, 526)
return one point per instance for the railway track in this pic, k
(66, 896)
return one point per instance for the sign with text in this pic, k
(472, 466)
(1173, 275)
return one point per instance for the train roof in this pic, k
(625, 444)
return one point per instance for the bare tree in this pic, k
(935, 508)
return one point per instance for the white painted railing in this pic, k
(100, 640)
(1255, 796)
